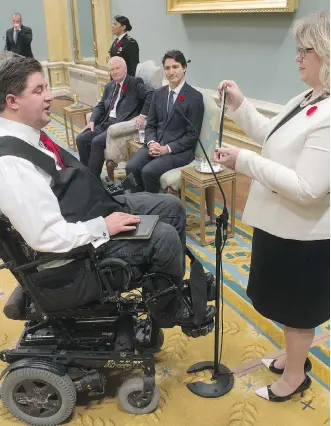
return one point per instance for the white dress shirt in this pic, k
(176, 92)
(28, 201)
(290, 193)
(112, 113)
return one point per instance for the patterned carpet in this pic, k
(247, 338)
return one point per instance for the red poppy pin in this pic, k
(119, 44)
(124, 87)
(311, 110)
(180, 98)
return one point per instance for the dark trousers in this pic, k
(164, 252)
(148, 170)
(91, 147)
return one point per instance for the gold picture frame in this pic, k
(231, 6)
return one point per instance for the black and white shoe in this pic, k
(268, 394)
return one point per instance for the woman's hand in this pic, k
(227, 156)
(234, 96)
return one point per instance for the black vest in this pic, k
(80, 195)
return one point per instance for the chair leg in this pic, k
(210, 202)
(111, 166)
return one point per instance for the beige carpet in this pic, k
(241, 407)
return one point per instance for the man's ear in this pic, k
(11, 101)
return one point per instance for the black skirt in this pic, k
(289, 280)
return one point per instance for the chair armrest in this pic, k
(88, 117)
(125, 128)
(85, 251)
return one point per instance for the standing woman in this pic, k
(124, 45)
(289, 206)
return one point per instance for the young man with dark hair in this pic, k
(56, 205)
(19, 37)
(170, 141)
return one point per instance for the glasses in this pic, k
(302, 51)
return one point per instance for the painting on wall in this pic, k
(230, 6)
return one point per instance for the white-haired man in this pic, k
(124, 98)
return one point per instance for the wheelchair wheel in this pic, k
(129, 397)
(38, 397)
(159, 341)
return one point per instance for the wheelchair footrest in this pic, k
(198, 331)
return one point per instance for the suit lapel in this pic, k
(12, 35)
(111, 91)
(123, 92)
(177, 102)
(164, 103)
(285, 113)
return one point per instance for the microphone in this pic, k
(180, 112)
(222, 375)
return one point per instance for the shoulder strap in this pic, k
(9, 145)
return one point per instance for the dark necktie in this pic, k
(114, 97)
(171, 101)
(52, 147)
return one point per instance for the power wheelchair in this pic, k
(76, 334)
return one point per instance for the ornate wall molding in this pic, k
(231, 6)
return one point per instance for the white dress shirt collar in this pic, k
(23, 131)
(121, 36)
(178, 88)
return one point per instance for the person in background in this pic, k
(19, 37)
(170, 141)
(124, 98)
(124, 45)
(289, 206)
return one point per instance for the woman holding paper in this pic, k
(288, 206)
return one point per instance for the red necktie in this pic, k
(52, 147)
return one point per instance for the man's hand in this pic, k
(89, 126)
(153, 149)
(139, 121)
(156, 150)
(17, 27)
(121, 222)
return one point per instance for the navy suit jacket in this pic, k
(173, 129)
(135, 99)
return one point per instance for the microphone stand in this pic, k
(221, 375)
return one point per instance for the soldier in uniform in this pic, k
(124, 45)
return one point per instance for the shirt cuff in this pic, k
(97, 228)
(149, 142)
(169, 149)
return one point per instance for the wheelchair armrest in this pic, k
(111, 263)
(50, 257)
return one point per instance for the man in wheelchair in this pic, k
(57, 234)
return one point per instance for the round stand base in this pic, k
(223, 381)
